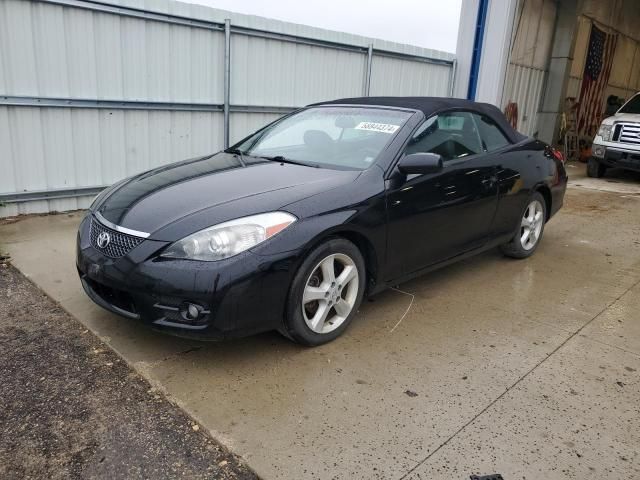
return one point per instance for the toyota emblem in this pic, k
(103, 239)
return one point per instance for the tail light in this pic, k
(557, 154)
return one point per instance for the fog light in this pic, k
(190, 311)
(598, 151)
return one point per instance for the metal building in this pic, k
(532, 54)
(92, 92)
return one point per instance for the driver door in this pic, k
(437, 216)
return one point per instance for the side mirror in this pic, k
(420, 163)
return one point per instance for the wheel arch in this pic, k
(545, 191)
(360, 240)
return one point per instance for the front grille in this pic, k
(630, 133)
(119, 243)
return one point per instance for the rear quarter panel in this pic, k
(523, 169)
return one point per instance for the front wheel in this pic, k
(326, 293)
(530, 231)
(595, 169)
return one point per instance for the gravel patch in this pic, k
(71, 408)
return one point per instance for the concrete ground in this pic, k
(526, 368)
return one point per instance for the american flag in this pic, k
(596, 76)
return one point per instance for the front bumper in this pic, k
(620, 158)
(239, 296)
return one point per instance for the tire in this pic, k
(530, 229)
(338, 301)
(595, 169)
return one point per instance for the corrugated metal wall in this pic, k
(91, 93)
(273, 72)
(390, 75)
(528, 62)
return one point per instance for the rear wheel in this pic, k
(326, 293)
(530, 231)
(595, 169)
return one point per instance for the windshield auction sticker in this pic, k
(377, 127)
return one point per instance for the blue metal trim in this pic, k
(481, 20)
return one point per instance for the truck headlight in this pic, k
(605, 132)
(229, 238)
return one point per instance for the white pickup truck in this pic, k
(617, 143)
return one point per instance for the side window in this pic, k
(492, 136)
(451, 135)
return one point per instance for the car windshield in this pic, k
(632, 106)
(334, 137)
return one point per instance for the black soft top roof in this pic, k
(432, 105)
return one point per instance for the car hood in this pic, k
(178, 199)
(621, 117)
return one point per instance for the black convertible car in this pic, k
(292, 226)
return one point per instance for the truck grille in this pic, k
(629, 133)
(119, 244)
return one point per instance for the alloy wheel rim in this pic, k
(531, 225)
(330, 293)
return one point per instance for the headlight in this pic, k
(605, 132)
(229, 238)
